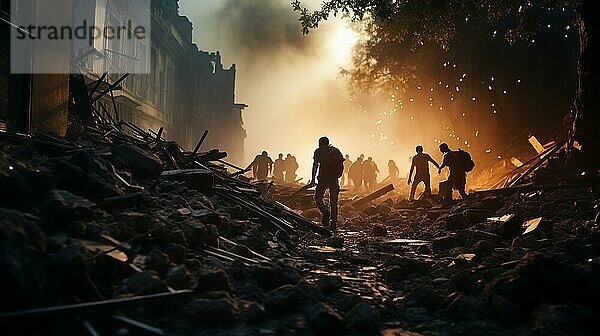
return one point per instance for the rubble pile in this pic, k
(114, 232)
(90, 228)
(523, 260)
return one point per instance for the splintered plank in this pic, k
(539, 148)
(375, 195)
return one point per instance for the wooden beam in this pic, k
(375, 195)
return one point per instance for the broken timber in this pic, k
(543, 157)
(303, 221)
(279, 223)
(373, 196)
(199, 179)
(94, 306)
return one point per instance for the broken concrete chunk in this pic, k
(330, 283)
(282, 300)
(179, 277)
(199, 179)
(449, 241)
(140, 163)
(61, 207)
(363, 317)
(143, 283)
(212, 311)
(324, 320)
(213, 280)
(335, 241)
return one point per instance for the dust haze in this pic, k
(290, 82)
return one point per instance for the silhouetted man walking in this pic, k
(459, 162)
(291, 167)
(345, 175)
(261, 166)
(420, 162)
(355, 173)
(370, 171)
(279, 168)
(329, 162)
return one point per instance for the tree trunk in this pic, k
(586, 113)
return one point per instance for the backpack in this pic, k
(466, 162)
(332, 162)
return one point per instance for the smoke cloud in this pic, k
(291, 82)
(262, 27)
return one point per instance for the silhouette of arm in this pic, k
(433, 161)
(444, 164)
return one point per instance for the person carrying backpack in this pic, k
(329, 162)
(459, 162)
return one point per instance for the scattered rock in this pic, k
(363, 317)
(138, 221)
(402, 267)
(379, 231)
(449, 241)
(139, 162)
(330, 283)
(212, 311)
(566, 319)
(268, 275)
(253, 313)
(324, 320)
(198, 234)
(308, 293)
(176, 252)
(25, 279)
(456, 222)
(423, 296)
(158, 261)
(213, 280)
(282, 300)
(179, 277)
(462, 281)
(506, 310)
(143, 283)
(335, 241)
(464, 307)
(62, 207)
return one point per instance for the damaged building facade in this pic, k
(184, 90)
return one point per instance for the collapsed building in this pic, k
(180, 88)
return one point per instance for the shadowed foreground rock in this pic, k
(91, 226)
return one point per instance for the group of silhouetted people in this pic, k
(283, 170)
(458, 162)
(329, 165)
(360, 173)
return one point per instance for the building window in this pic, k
(5, 6)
